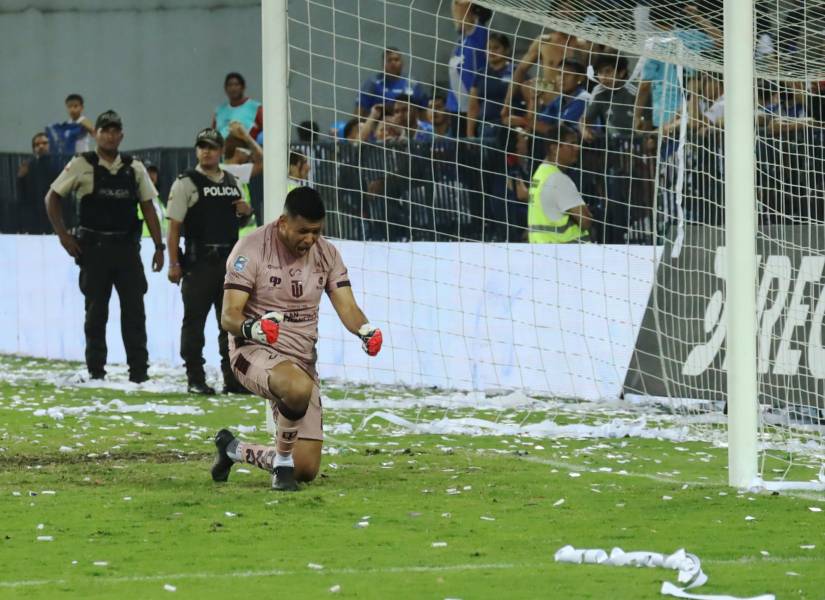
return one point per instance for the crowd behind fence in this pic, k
(461, 190)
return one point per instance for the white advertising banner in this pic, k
(561, 319)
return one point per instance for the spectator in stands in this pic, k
(547, 53)
(403, 122)
(243, 157)
(298, 172)
(70, 136)
(372, 129)
(440, 118)
(786, 108)
(469, 58)
(660, 87)
(33, 180)
(611, 112)
(489, 92)
(517, 192)
(309, 132)
(351, 131)
(557, 214)
(569, 106)
(608, 126)
(238, 107)
(383, 88)
(74, 106)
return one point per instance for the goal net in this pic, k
(530, 198)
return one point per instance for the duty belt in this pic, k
(196, 251)
(94, 236)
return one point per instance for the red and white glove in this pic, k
(371, 339)
(264, 330)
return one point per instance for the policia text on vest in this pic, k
(206, 205)
(109, 188)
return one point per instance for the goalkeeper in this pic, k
(272, 291)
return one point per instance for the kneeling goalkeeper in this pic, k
(272, 291)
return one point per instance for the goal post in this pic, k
(275, 72)
(740, 213)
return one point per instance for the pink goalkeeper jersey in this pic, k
(261, 266)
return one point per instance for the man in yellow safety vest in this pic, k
(556, 213)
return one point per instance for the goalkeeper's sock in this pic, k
(259, 455)
(232, 450)
(285, 439)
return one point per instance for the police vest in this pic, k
(542, 229)
(112, 204)
(212, 219)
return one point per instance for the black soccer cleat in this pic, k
(223, 464)
(139, 377)
(283, 479)
(200, 388)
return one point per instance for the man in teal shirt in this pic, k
(238, 107)
(661, 85)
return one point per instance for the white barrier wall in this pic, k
(556, 319)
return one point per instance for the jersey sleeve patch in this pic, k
(240, 263)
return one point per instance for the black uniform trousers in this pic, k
(202, 288)
(117, 263)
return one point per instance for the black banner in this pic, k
(680, 350)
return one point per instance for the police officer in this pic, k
(207, 205)
(109, 187)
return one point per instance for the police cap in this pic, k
(108, 119)
(210, 137)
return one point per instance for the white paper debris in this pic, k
(45, 538)
(230, 514)
(750, 518)
(315, 566)
(335, 589)
(558, 502)
(242, 470)
(439, 544)
(100, 563)
(688, 565)
(362, 524)
(808, 546)
(169, 588)
(814, 509)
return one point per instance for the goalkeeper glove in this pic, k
(371, 339)
(264, 330)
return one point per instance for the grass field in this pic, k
(105, 493)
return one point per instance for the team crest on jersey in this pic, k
(240, 263)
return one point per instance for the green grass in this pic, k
(137, 495)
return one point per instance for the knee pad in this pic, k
(291, 413)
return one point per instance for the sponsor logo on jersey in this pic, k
(240, 263)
